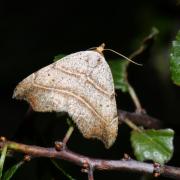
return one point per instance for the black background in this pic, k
(31, 34)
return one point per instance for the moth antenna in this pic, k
(122, 56)
(101, 48)
(92, 48)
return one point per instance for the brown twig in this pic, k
(90, 173)
(132, 125)
(140, 119)
(146, 42)
(95, 164)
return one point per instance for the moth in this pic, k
(80, 84)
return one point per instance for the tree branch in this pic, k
(88, 164)
(93, 164)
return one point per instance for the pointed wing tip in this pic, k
(17, 94)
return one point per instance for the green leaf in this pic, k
(11, 171)
(2, 159)
(155, 145)
(175, 60)
(58, 57)
(60, 168)
(119, 68)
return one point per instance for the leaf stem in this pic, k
(141, 49)
(132, 125)
(68, 134)
(2, 159)
(135, 99)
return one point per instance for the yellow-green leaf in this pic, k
(2, 159)
(11, 171)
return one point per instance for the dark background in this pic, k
(31, 34)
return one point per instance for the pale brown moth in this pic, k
(80, 84)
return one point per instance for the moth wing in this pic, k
(80, 84)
